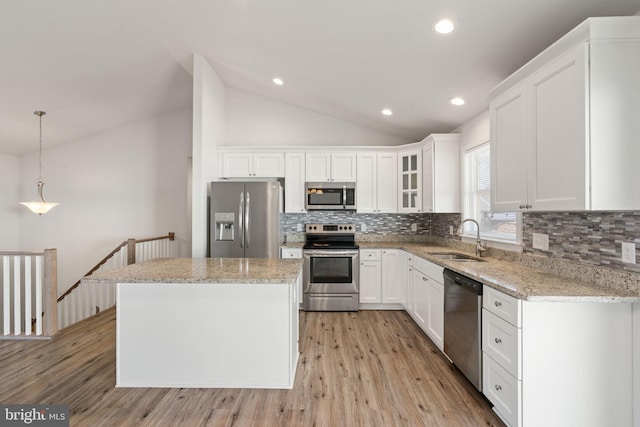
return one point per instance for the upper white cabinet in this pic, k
(410, 181)
(441, 173)
(244, 164)
(376, 182)
(294, 191)
(338, 166)
(564, 127)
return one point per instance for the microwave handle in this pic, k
(344, 196)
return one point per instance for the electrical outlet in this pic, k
(363, 227)
(299, 227)
(540, 241)
(629, 252)
(414, 227)
(451, 230)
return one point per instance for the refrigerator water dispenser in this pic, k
(224, 226)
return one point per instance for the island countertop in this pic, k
(204, 270)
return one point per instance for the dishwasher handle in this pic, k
(451, 277)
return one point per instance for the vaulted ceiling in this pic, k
(94, 65)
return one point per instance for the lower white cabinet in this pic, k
(427, 307)
(370, 277)
(557, 363)
(383, 276)
(407, 302)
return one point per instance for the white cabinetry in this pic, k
(382, 277)
(563, 128)
(338, 166)
(441, 173)
(394, 267)
(543, 361)
(376, 184)
(410, 181)
(242, 164)
(294, 180)
(428, 299)
(408, 286)
(370, 276)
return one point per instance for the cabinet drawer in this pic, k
(291, 253)
(502, 389)
(370, 255)
(502, 341)
(502, 305)
(428, 268)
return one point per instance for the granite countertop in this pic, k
(512, 278)
(204, 270)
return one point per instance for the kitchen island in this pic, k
(213, 322)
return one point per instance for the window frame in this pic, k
(491, 241)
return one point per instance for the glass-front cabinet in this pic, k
(409, 191)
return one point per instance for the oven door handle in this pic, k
(330, 253)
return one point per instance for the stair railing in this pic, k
(28, 296)
(83, 300)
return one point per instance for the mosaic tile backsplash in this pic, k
(592, 238)
(589, 238)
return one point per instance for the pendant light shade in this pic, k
(40, 205)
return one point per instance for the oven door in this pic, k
(331, 271)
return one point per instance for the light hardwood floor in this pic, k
(371, 368)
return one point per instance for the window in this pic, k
(477, 199)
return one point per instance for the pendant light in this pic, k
(40, 205)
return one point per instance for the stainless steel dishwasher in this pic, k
(462, 325)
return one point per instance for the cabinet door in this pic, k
(343, 167)
(409, 171)
(318, 167)
(509, 150)
(435, 316)
(427, 178)
(387, 183)
(236, 165)
(366, 184)
(393, 276)
(409, 294)
(294, 191)
(268, 165)
(421, 299)
(370, 282)
(558, 159)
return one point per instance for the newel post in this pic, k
(131, 251)
(50, 294)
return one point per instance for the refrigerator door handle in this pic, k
(247, 222)
(241, 219)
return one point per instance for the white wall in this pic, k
(209, 116)
(129, 182)
(9, 198)
(474, 132)
(260, 121)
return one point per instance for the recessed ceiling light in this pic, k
(444, 26)
(457, 101)
(278, 81)
(387, 112)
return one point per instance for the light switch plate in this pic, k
(363, 227)
(299, 227)
(540, 241)
(629, 252)
(414, 227)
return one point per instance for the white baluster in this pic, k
(6, 286)
(27, 295)
(39, 275)
(17, 309)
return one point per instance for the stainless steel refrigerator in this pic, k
(244, 219)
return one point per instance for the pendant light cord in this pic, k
(40, 114)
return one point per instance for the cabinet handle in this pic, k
(528, 206)
(522, 206)
(498, 340)
(498, 387)
(497, 303)
(424, 278)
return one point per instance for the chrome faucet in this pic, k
(480, 248)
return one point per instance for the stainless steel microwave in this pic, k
(330, 195)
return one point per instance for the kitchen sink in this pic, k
(453, 256)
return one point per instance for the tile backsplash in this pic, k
(592, 238)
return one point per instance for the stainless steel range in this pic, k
(331, 278)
